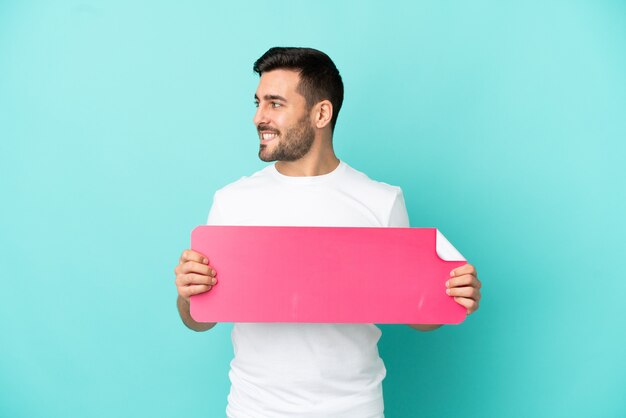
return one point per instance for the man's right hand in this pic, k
(194, 275)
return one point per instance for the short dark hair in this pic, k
(319, 77)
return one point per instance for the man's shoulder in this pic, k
(251, 182)
(356, 178)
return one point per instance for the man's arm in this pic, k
(183, 310)
(194, 275)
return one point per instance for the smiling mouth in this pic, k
(267, 135)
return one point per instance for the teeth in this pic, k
(268, 136)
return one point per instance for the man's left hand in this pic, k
(464, 286)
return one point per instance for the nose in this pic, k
(259, 116)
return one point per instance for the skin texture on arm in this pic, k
(194, 275)
(464, 286)
(183, 310)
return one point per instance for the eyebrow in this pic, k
(271, 97)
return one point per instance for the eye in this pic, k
(276, 105)
(256, 104)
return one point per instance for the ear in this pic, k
(323, 113)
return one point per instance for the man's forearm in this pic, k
(424, 327)
(183, 310)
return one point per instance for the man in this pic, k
(287, 369)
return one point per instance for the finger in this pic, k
(191, 255)
(192, 267)
(464, 269)
(466, 292)
(195, 267)
(469, 304)
(464, 280)
(188, 291)
(191, 279)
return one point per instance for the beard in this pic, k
(291, 146)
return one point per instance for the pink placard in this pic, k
(325, 275)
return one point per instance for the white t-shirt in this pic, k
(307, 370)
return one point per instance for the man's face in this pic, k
(282, 118)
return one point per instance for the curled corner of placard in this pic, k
(445, 250)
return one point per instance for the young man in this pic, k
(289, 369)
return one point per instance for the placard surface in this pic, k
(325, 275)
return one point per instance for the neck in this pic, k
(320, 160)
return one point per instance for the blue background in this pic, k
(503, 123)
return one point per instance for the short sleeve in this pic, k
(398, 217)
(215, 217)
